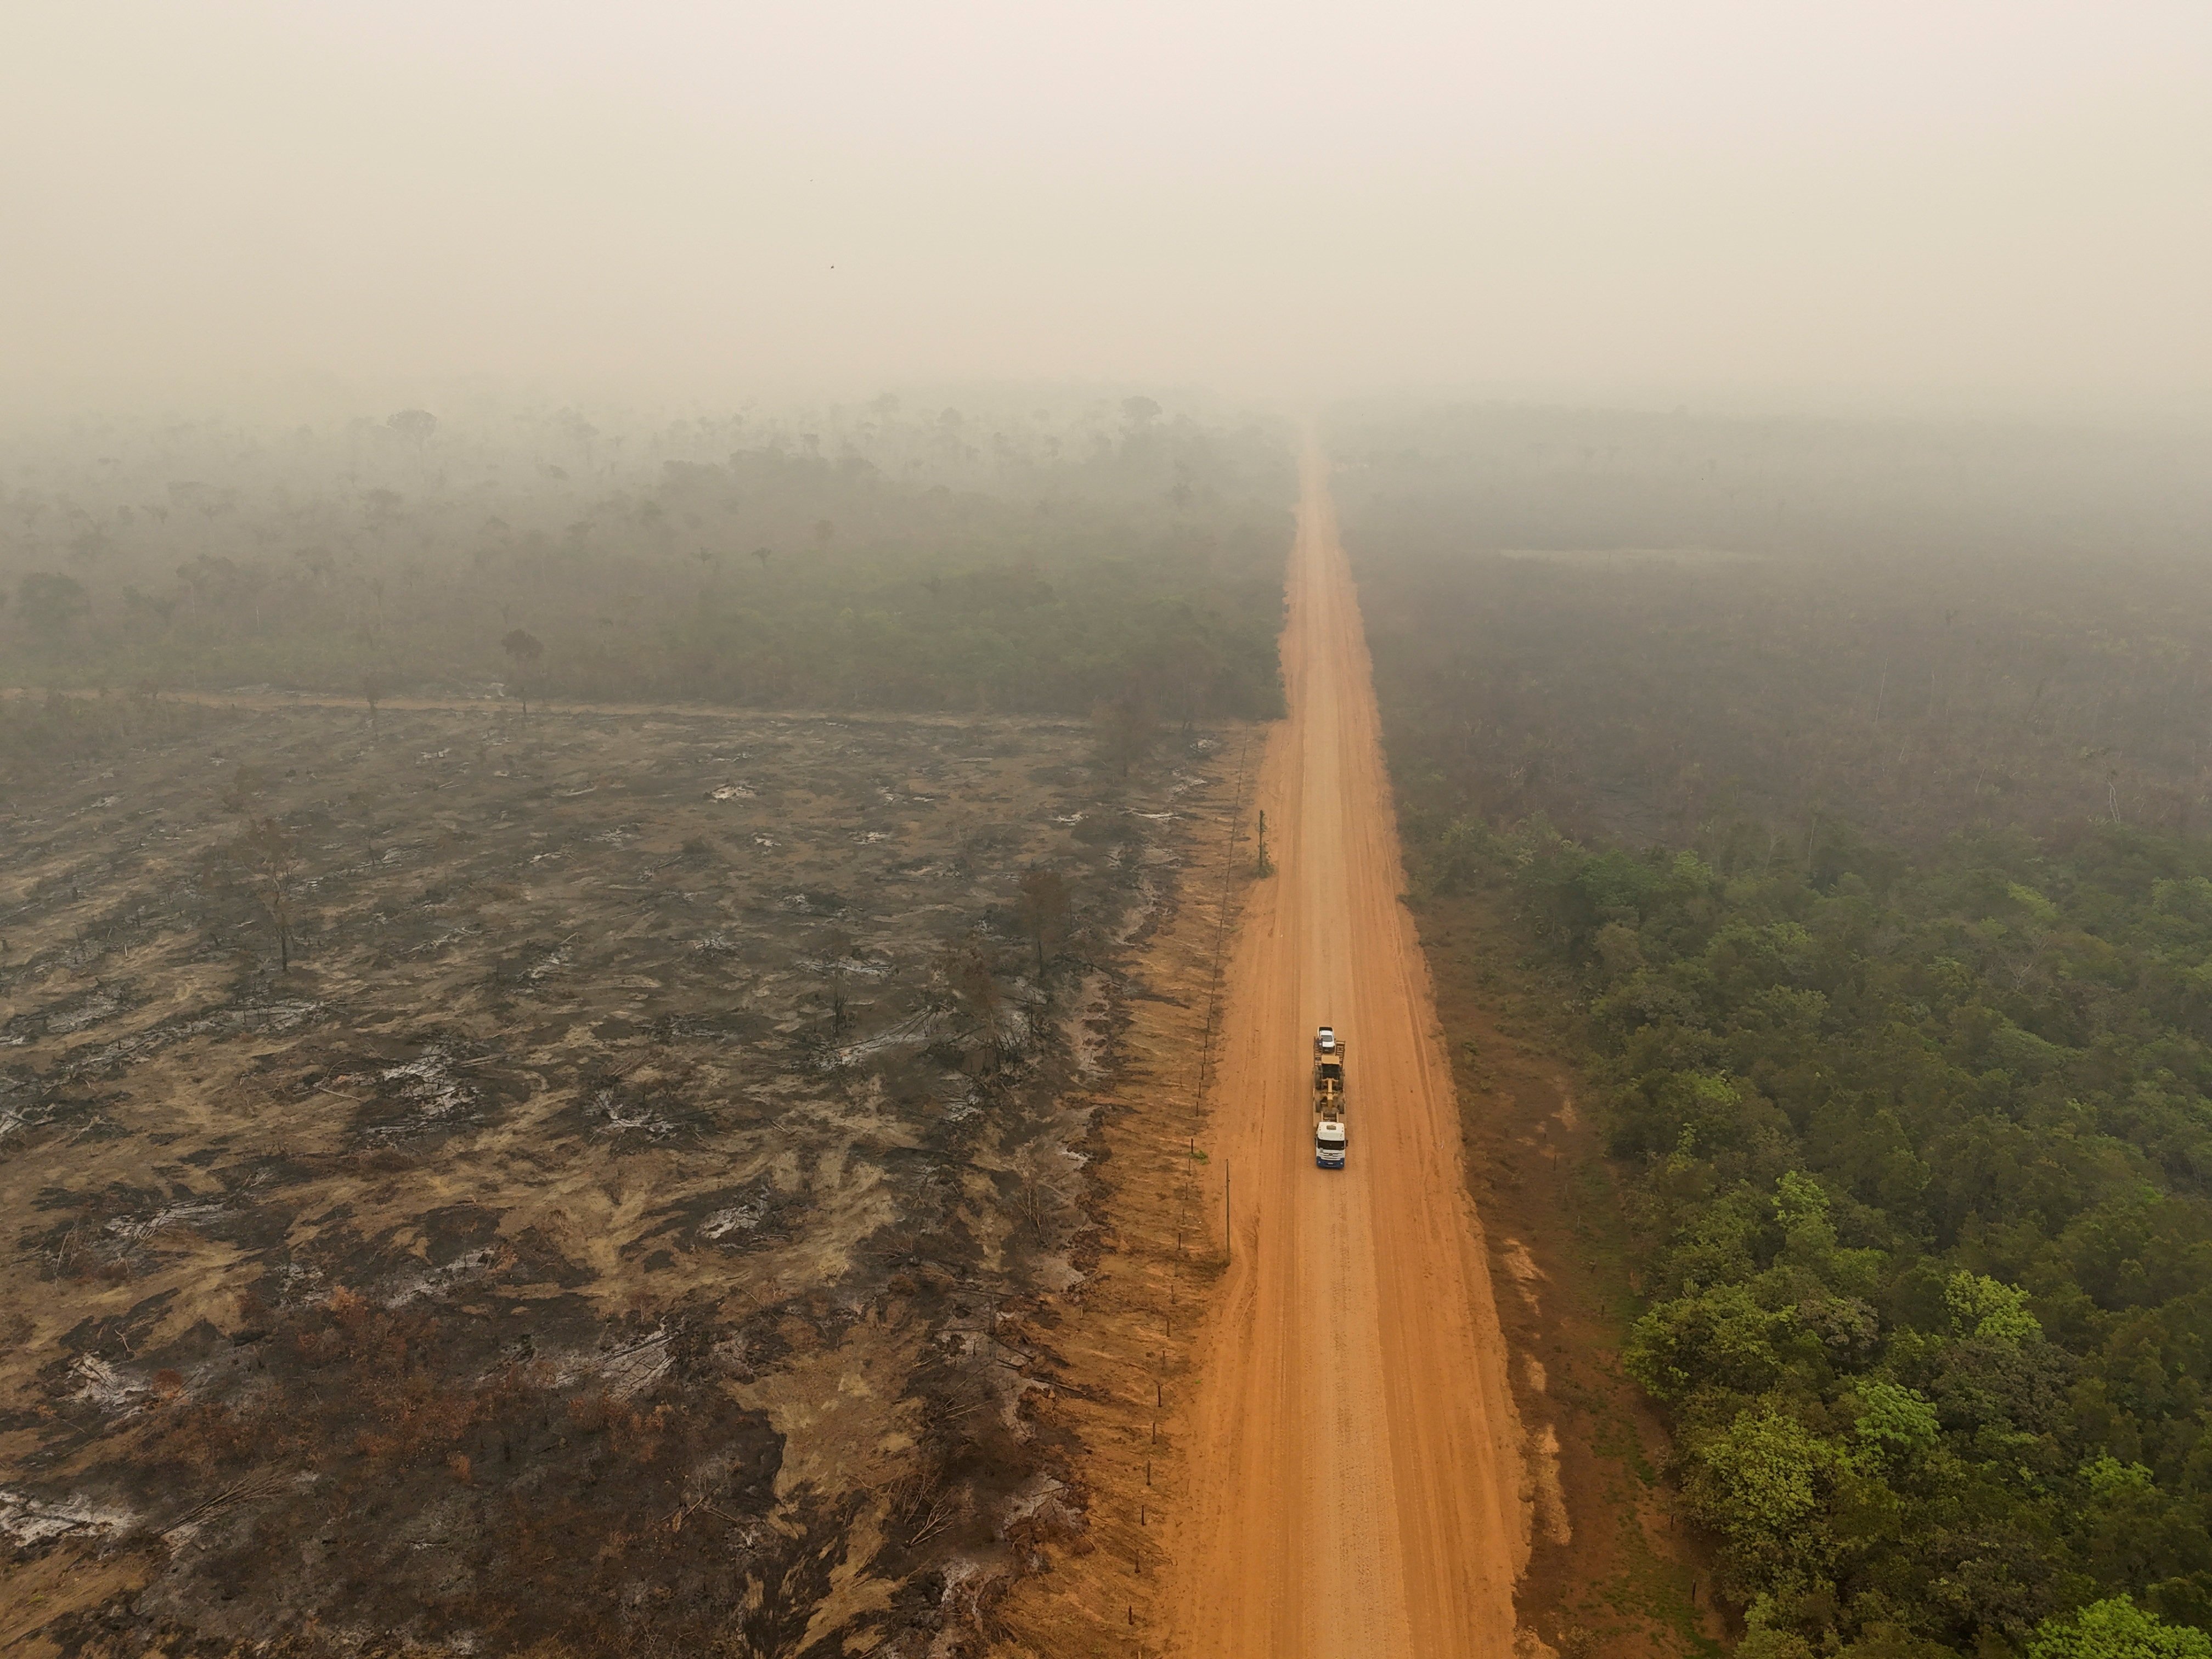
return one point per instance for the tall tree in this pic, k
(271, 862)
(1044, 907)
(375, 687)
(1126, 729)
(522, 648)
(416, 425)
(50, 602)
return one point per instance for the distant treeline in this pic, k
(1138, 554)
(1877, 888)
(1489, 476)
(1663, 649)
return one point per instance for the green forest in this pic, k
(875, 557)
(1875, 887)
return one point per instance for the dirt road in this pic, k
(1353, 1448)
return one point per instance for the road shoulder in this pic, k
(1610, 1571)
(1093, 1568)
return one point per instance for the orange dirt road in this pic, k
(1354, 1466)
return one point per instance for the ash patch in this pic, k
(443, 1088)
(26, 1522)
(622, 1116)
(734, 1220)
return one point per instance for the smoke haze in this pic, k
(1977, 203)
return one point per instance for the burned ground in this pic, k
(635, 1219)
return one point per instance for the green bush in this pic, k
(2117, 1628)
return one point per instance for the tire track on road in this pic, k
(1353, 1447)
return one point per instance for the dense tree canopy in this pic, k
(1901, 1000)
(1928, 1158)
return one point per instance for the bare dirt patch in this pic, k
(640, 1216)
(1123, 1376)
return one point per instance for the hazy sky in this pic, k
(1992, 199)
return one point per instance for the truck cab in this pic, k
(1325, 1043)
(1328, 1143)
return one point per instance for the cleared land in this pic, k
(637, 1218)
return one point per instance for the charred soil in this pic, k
(614, 1182)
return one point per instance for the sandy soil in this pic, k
(1123, 1360)
(1355, 1478)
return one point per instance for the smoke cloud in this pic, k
(1986, 201)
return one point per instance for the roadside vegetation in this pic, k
(1850, 788)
